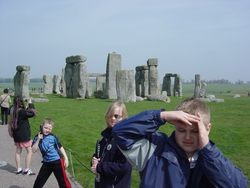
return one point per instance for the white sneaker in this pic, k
(19, 172)
(28, 173)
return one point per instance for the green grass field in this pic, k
(78, 124)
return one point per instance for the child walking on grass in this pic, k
(52, 152)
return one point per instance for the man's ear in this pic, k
(208, 127)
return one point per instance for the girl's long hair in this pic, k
(110, 111)
(18, 104)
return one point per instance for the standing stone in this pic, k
(22, 80)
(144, 81)
(197, 86)
(164, 93)
(57, 84)
(177, 86)
(75, 76)
(125, 86)
(63, 84)
(113, 64)
(166, 85)
(203, 90)
(153, 76)
(48, 84)
(138, 82)
(88, 89)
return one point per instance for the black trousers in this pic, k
(4, 112)
(57, 167)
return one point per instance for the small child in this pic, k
(52, 151)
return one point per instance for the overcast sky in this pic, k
(206, 37)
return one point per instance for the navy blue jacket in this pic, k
(163, 164)
(114, 169)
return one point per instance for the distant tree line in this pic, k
(10, 80)
(32, 80)
(219, 81)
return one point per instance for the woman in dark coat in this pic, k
(19, 130)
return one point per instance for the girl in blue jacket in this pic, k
(111, 167)
(186, 159)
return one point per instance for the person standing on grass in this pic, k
(112, 168)
(186, 159)
(54, 156)
(19, 130)
(5, 104)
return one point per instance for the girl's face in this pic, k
(117, 116)
(47, 128)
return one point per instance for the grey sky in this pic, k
(210, 38)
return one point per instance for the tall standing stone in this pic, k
(177, 86)
(48, 84)
(75, 76)
(144, 81)
(113, 64)
(166, 85)
(57, 84)
(197, 86)
(22, 80)
(154, 87)
(138, 82)
(125, 86)
(63, 84)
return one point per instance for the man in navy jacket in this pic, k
(186, 159)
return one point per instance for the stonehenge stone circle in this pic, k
(115, 83)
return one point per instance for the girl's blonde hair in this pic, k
(110, 111)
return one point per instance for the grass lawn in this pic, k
(78, 124)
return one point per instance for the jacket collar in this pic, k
(107, 133)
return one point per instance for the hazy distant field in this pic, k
(186, 88)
